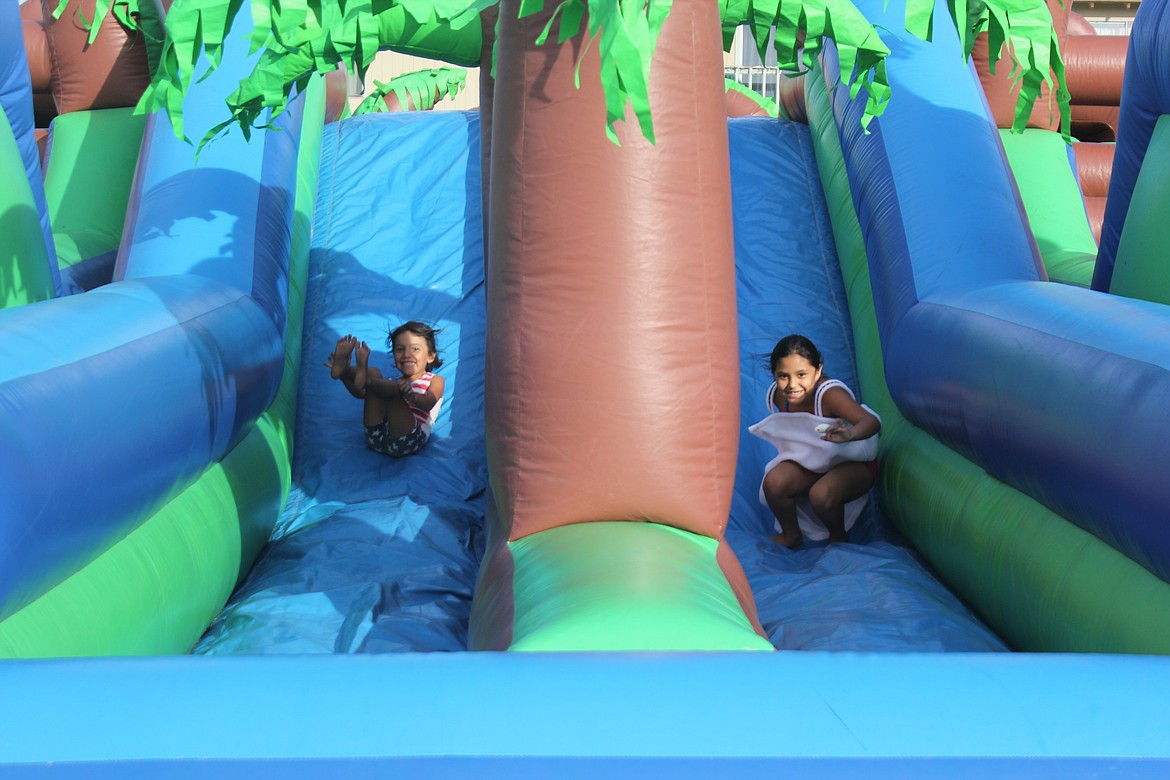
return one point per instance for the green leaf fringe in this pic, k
(417, 91)
(801, 28)
(1034, 52)
(766, 103)
(300, 37)
(136, 17)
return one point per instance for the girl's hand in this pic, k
(853, 421)
(840, 431)
(404, 386)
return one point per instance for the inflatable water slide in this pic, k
(203, 572)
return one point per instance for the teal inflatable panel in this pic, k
(503, 715)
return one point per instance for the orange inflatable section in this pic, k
(1094, 167)
(1001, 90)
(1094, 68)
(611, 381)
(1094, 71)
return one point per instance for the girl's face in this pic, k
(796, 379)
(412, 354)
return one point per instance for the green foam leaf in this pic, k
(417, 91)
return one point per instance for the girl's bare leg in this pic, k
(834, 490)
(339, 360)
(361, 369)
(340, 368)
(384, 403)
(782, 485)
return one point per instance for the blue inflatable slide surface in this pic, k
(380, 555)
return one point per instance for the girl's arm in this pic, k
(426, 401)
(838, 403)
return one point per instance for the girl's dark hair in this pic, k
(794, 345)
(418, 329)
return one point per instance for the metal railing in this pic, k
(1122, 27)
(764, 79)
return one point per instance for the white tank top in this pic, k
(816, 398)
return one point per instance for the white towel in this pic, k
(794, 436)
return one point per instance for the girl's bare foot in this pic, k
(339, 360)
(361, 373)
(789, 540)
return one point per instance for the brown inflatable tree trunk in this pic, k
(612, 376)
(112, 72)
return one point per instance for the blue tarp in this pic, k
(377, 555)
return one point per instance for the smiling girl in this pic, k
(398, 413)
(800, 386)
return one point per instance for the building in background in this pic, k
(1108, 17)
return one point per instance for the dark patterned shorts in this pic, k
(378, 439)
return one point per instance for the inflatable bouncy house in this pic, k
(204, 571)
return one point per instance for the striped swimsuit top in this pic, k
(425, 419)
